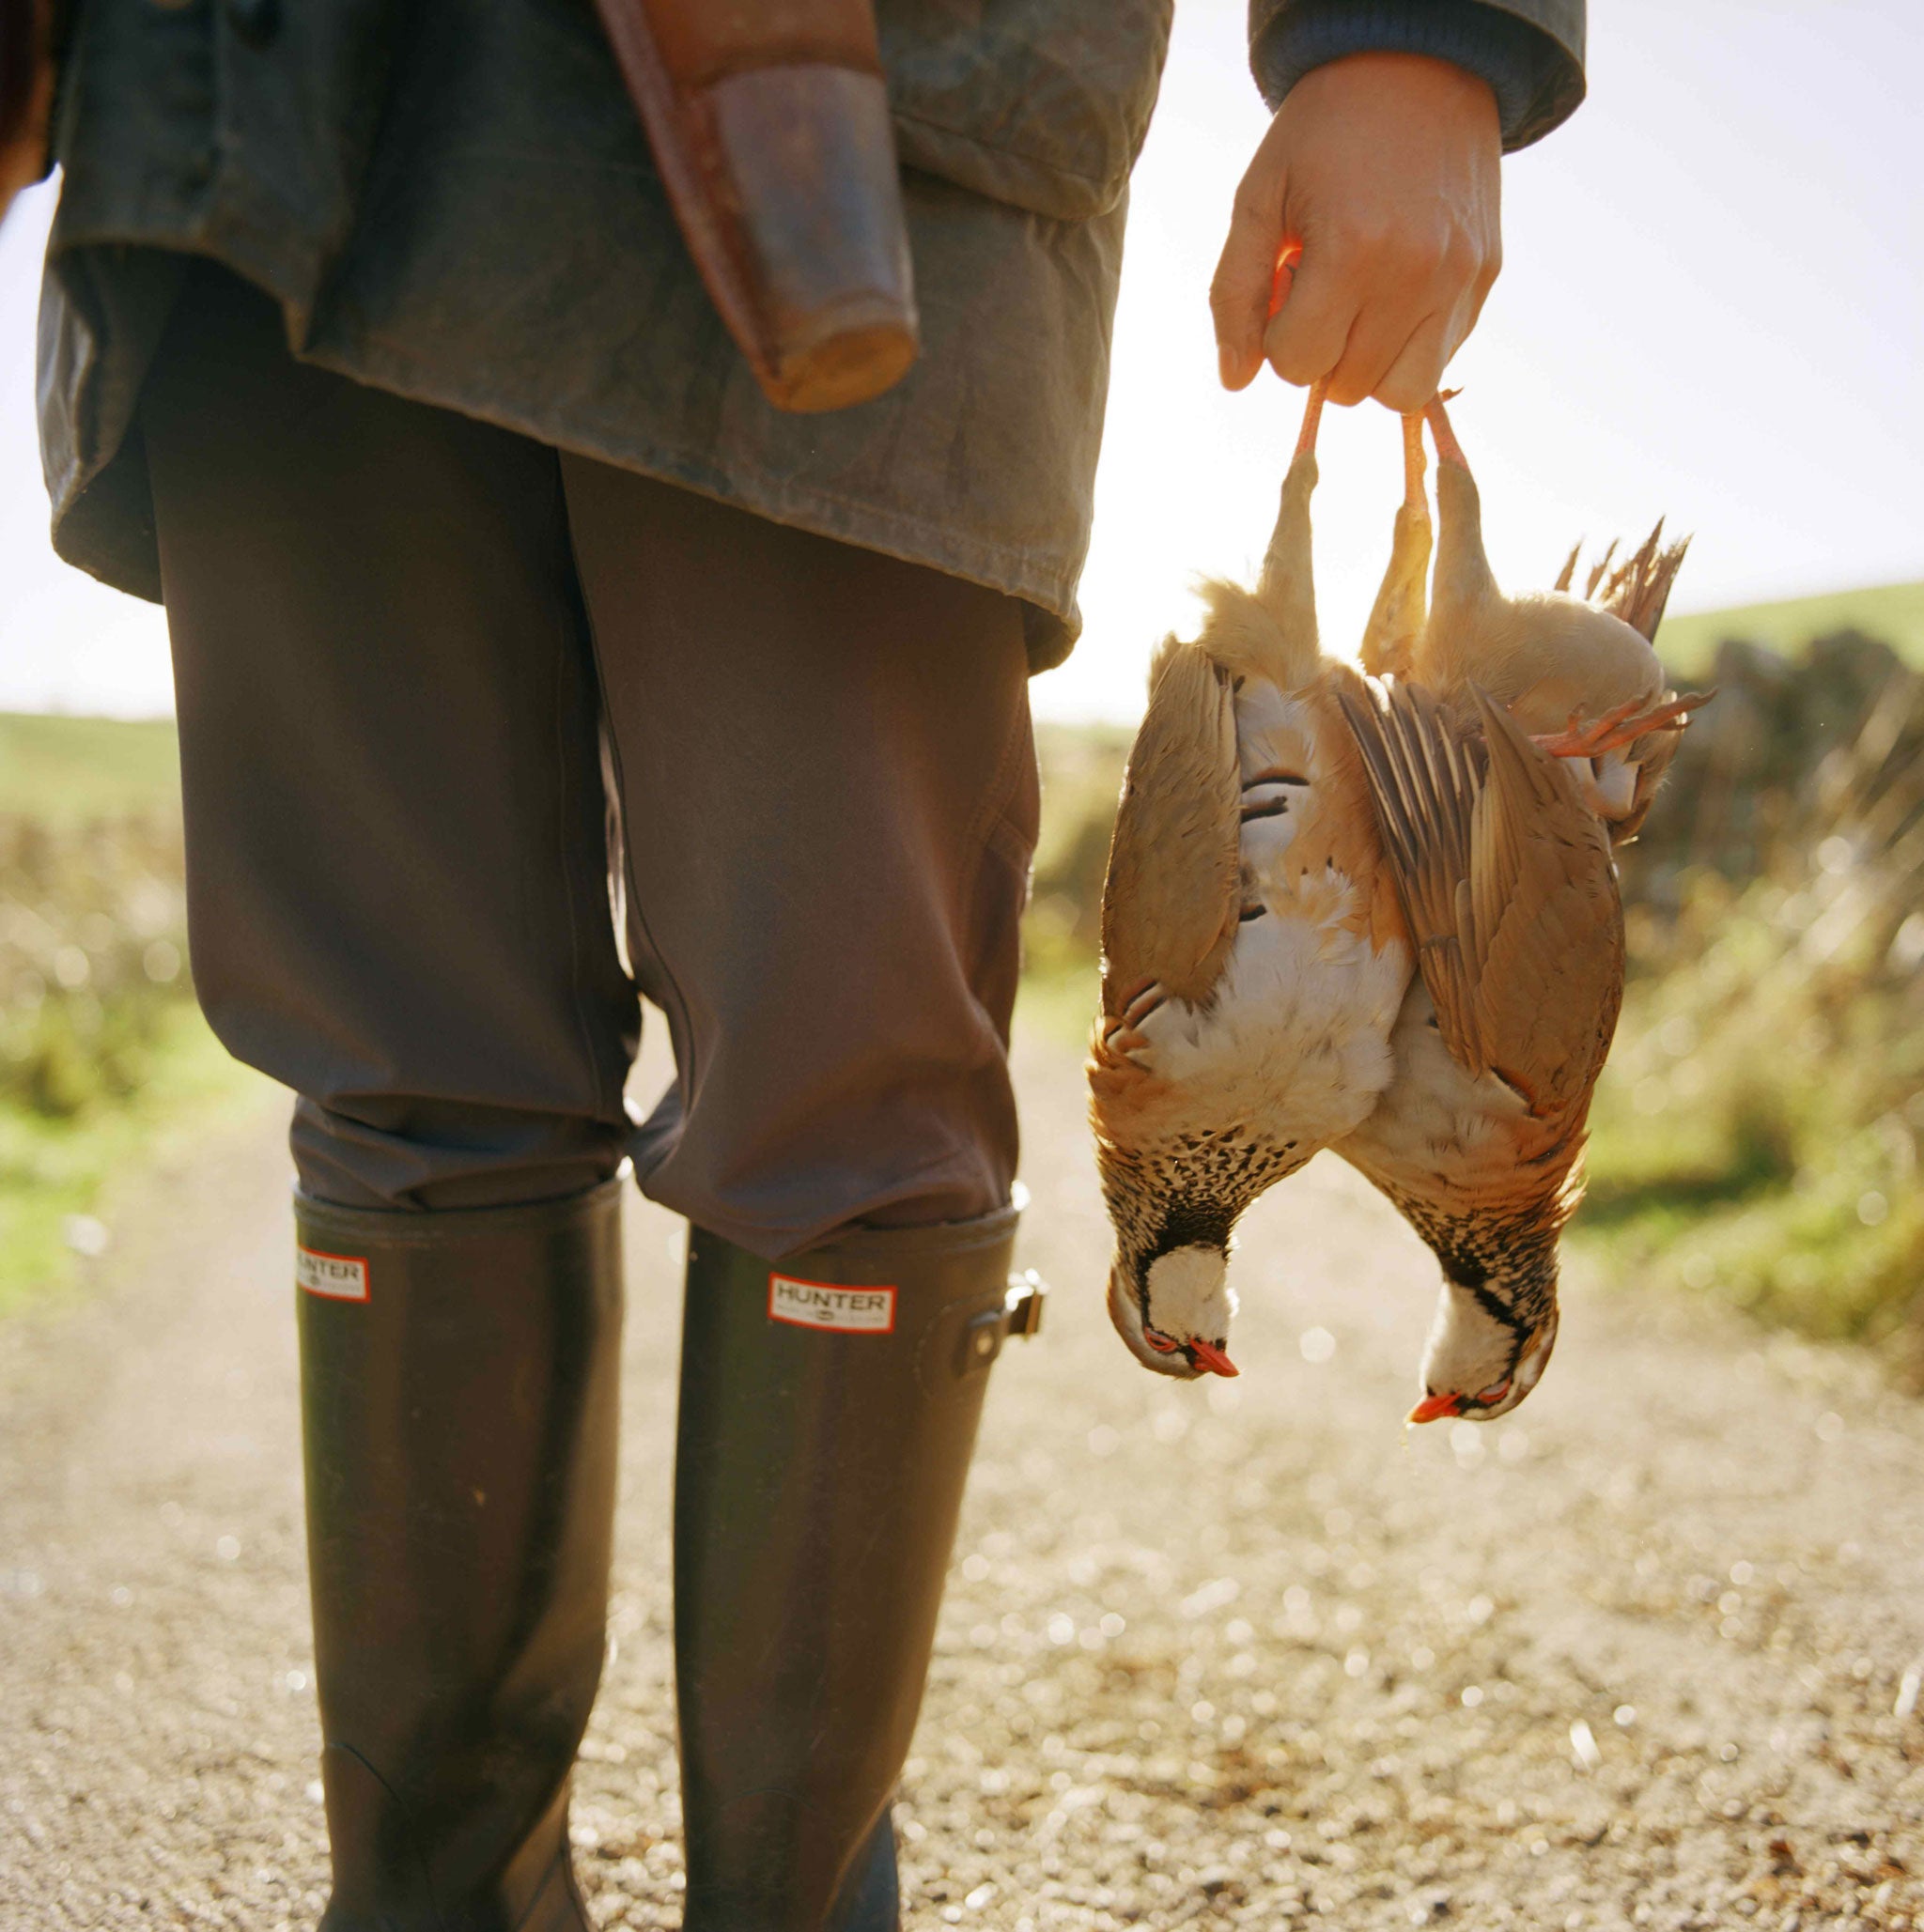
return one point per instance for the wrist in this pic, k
(1536, 78)
(1418, 89)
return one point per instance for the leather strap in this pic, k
(770, 125)
(701, 41)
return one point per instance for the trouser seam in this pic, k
(988, 813)
(568, 780)
(686, 1049)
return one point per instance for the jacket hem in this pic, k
(1028, 576)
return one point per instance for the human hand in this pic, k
(1383, 169)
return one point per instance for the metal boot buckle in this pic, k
(1021, 1314)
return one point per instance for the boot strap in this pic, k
(1019, 1315)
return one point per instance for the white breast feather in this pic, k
(1296, 1042)
(1432, 1109)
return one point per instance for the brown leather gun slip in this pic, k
(769, 123)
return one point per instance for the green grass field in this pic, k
(104, 1055)
(64, 771)
(59, 1174)
(1893, 611)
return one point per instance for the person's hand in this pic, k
(1383, 170)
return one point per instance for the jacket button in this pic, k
(256, 21)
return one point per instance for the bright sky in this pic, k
(1711, 308)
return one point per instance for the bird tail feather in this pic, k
(1636, 589)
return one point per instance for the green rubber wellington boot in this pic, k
(460, 1400)
(829, 1407)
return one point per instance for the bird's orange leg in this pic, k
(1622, 726)
(1312, 417)
(1396, 618)
(1413, 464)
(1448, 449)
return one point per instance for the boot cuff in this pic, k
(399, 1227)
(883, 1247)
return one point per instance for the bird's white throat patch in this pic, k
(1190, 1295)
(1469, 1349)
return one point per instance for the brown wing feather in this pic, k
(1173, 893)
(1504, 876)
(1424, 794)
(1548, 947)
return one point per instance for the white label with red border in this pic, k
(339, 1277)
(822, 1305)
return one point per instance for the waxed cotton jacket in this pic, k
(453, 200)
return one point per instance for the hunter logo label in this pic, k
(339, 1277)
(819, 1305)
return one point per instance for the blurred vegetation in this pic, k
(1081, 779)
(64, 772)
(1758, 1130)
(1893, 611)
(100, 1038)
(92, 954)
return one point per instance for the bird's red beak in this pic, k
(1434, 1408)
(1212, 1358)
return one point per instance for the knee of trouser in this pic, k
(779, 1152)
(406, 1151)
(841, 1020)
(407, 1100)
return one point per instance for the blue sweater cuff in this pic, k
(1537, 81)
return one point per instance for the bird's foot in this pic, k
(1141, 1005)
(1621, 726)
(1124, 1043)
(1121, 1036)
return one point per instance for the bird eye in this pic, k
(1496, 1392)
(1161, 1343)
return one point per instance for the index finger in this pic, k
(1241, 296)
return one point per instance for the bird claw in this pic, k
(1621, 726)
(1139, 1009)
(1122, 1037)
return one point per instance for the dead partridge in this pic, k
(1254, 960)
(1578, 674)
(1504, 876)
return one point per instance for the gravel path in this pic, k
(1645, 1654)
